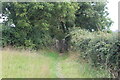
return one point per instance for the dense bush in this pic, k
(32, 40)
(80, 38)
(100, 48)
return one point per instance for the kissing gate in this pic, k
(61, 45)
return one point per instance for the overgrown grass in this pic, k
(25, 64)
(44, 64)
(74, 67)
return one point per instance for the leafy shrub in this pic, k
(29, 43)
(34, 39)
(80, 38)
(99, 48)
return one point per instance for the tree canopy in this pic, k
(93, 15)
(37, 23)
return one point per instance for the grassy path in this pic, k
(46, 64)
(59, 71)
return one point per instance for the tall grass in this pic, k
(74, 67)
(46, 64)
(24, 64)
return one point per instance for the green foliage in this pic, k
(93, 16)
(99, 48)
(36, 24)
(114, 59)
(80, 38)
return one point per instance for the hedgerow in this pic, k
(101, 49)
